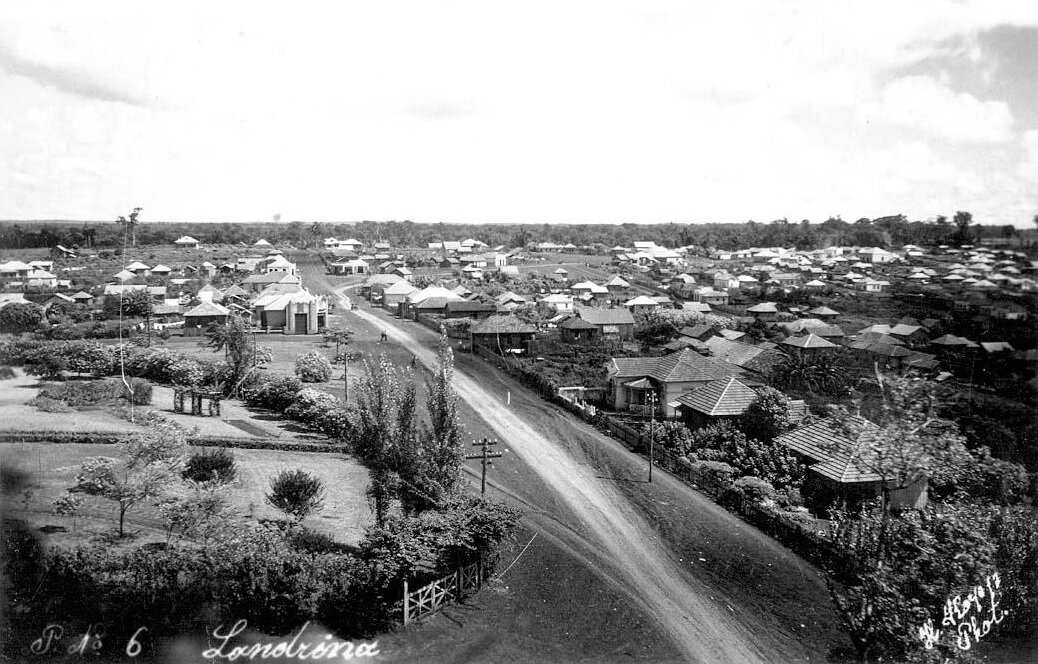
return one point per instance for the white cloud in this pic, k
(471, 111)
(924, 104)
(1029, 167)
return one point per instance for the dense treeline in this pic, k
(888, 231)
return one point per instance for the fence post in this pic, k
(406, 600)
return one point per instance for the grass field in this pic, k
(51, 469)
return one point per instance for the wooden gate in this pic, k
(450, 588)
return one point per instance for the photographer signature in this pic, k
(972, 616)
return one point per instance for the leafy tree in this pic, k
(653, 329)
(896, 573)
(313, 367)
(828, 374)
(138, 304)
(297, 493)
(962, 222)
(378, 430)
(768, 416)
(130, 223)
(19, 317)
(906, 439)
(201, 513)
(441, 450)
(339, 336)
(144, 470)
(769, 461)
(244, 356)
(217, 465)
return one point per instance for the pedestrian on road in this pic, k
(384, 336)
(414, 359)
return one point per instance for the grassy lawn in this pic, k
(51, 469)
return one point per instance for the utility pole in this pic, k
(485, 455)
(652, 436)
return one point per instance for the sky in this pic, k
(534, 112)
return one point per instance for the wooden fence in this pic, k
(433, 596)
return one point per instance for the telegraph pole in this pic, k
(652, 436)
(485, 455)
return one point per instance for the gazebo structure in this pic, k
(198, 397)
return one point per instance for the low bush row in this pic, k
(275, 575)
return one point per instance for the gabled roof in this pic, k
(82, 295)
(502, 325)
(208, 309)
(727, 396)
(837, 456)
(161, 268)
(618, 282)
(597, 316)
(823, 311)
(185, 239)
(137, 265)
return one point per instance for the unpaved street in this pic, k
(621, 569)
(629, 546)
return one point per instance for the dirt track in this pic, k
(688, 580)
(631, 547)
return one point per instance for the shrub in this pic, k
(90, 357)
(6, 373)
(718, 471)
(49, 405)
(309, 404)
(45, 362)
(313, 367)
(274, 393)
(186, 372)
(755, 488)
(139, 392)
(297, 493)
(16, 350)
(206, 466)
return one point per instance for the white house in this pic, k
(187, 242)
(559, 301)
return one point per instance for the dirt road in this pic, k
(632, 549)
(622, 569)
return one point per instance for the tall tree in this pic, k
(130, 223)
(244, 356)
(443, 453)
(145, 467)
(962, 220)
